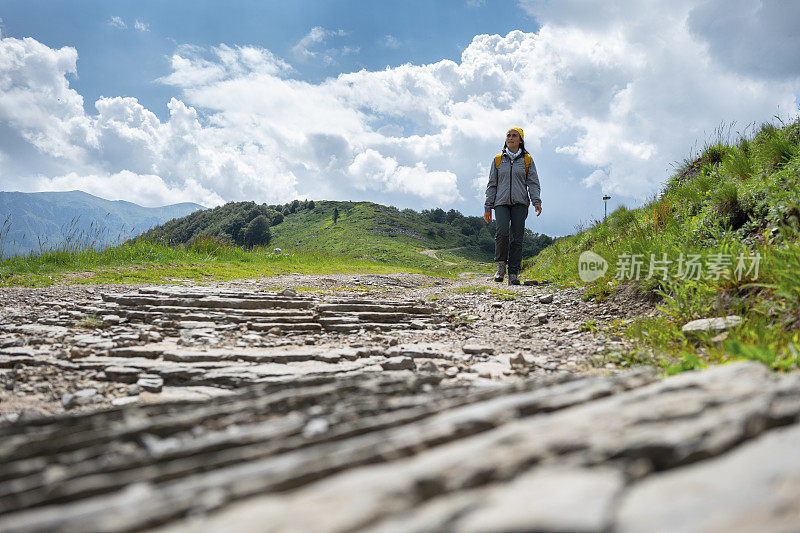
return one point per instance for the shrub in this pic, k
(257, 232)
(705, 181)
(687, 194)
(621, 218)
(775, 148)
(714, 154)
(725, 202)
(738, 163)
(662, 213)
(206, 244)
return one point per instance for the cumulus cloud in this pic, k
(390, 41)
(350, 50)
(371, 170)
(303, 49)
(37, 103)
(609, 96)
(141, 26)
(147, 190)
(117, 22)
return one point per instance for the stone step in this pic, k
(373, 306)
(211, 302)
(285, 326)
(368, 316)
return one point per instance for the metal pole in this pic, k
(606, 198)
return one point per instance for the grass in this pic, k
(146, 262)
(500, 294)
(733, 200)
(89, 322)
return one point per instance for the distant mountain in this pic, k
(75, 219)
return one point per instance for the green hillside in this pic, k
(733, 208)
(368, 230)
(361, 230)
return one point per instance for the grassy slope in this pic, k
(369, 231)
(145, 262)
(734, 199)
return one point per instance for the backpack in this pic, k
(526, 157)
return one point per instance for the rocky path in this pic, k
(81, 348)
(382, 403)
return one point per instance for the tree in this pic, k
(475, 223)
(277, 218)
(452, 216)
(335, 214)
(437, 215)
(235, 226)
(311, 204)
(257, 232)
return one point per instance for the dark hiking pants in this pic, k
(510, 231)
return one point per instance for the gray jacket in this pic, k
(509, 184)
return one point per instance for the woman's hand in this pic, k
(487, 216)
(538, 208)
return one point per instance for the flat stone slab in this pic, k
(711, 325)
(147, 350)
(150, 382)
(557, 498)
(664, 425)
(756, 487)
(185, 394)
(477, 349)
(124, 374)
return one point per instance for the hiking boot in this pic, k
(501, 271)
(513, 279)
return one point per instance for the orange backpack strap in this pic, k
(526, 157)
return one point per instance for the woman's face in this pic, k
(512, 140)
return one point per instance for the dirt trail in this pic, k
(432, 254)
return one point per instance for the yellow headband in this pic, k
(518, 130)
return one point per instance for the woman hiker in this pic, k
(512, 180)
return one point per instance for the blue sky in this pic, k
(402, 103)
